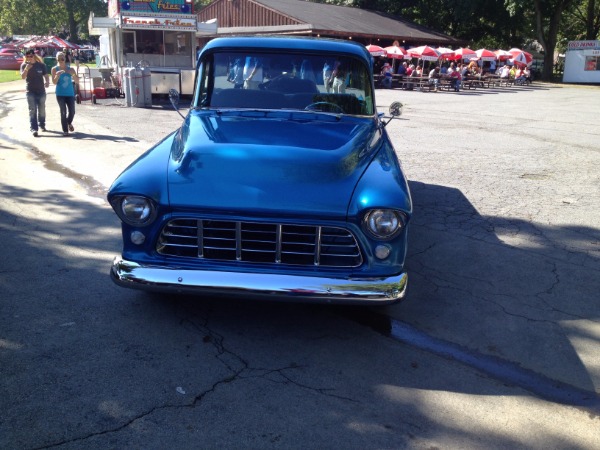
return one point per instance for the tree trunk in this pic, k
(590, 29)
(547, 37)
(73, 32)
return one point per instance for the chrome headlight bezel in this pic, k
(384, 224)
(134, 210)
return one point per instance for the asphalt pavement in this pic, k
(503, 263)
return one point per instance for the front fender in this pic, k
(147, 174)
(383, 185)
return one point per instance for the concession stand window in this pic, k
(157, 34)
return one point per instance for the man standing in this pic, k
(35, 74)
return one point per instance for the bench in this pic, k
(397, 81)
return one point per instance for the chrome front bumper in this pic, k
(265, 286)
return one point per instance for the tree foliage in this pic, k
(500, 23)
(480, 23)
(66, 18)
(582, 21)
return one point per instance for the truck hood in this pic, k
(270, 163)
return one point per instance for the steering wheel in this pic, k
(330, 107)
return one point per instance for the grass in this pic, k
(12, 75)
(9, 75)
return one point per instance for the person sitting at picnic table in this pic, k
(505, 72)
(451, 69)
(434, 78)
(527, 74)
(419, 71)
(386, 73)
(464, 72)
(472, 67)
(512, 73)
(411, 72)
(402, 68)
(520, 77)
(455, 79)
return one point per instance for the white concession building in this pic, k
(582, 62)
(159, 35)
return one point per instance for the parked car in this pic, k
(10, 60)
(9, 49)
(278, 185)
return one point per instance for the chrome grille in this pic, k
(252, 242)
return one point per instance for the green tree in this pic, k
(479, 23)
(546, 19)
(582, 22)
(67, 18)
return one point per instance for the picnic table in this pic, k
(423, 83)
(482, 81)
(397, 80)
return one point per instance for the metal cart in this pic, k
(85, 88)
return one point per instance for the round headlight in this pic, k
(384, 223)
(136, 210)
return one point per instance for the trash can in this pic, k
(50, 62)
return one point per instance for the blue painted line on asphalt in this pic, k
(497, 368)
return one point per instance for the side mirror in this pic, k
(396, 109)
(174, 99)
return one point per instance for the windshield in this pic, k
(312, 82)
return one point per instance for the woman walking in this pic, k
(63, 76)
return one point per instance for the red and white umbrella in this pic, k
(503, 55)
(376, 50)
(396, 52)
(464, 53)
(486, 55)
(521, 58)
(424, 52)
(446, 53)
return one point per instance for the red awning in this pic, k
(49, 42)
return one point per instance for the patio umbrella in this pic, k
(485, 55)
(464, 53)
(503, 55)
(396, 52)
(445, 53)
(376, 50)
(520, 58)
(424, 53)
(516, 51)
